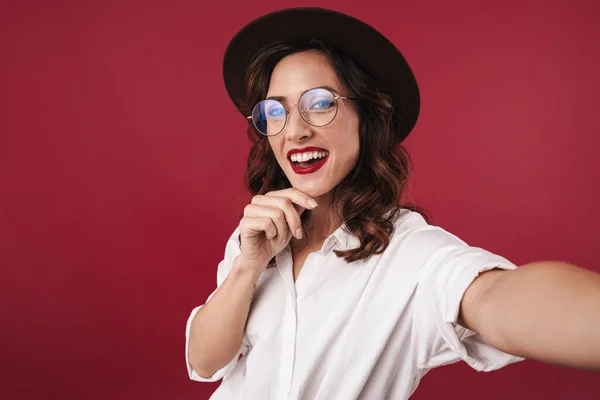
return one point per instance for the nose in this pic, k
(297, 129)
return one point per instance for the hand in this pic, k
(269, 223)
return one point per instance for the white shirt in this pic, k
(365, 330)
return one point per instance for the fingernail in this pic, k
(312, 203)
(299, 233)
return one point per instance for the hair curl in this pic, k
(368, 199)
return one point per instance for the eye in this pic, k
(275, 111)
(321, 104)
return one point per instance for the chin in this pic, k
(313, 191)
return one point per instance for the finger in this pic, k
(291, 214)
(254, 226)
(275, 214)
(296, 197)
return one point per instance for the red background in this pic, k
(121, 162)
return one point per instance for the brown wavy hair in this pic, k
(368, 199)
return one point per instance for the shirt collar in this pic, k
(342, 238)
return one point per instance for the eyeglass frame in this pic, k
(287, 111)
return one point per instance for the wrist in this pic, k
(246, 269)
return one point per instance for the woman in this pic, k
(329, 288)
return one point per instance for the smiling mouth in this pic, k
(303, 166)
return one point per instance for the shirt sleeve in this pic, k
(232, 250)
(442, 282)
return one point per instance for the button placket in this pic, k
(285, 266)
(289, 327)
(288, 348)
(308, 274)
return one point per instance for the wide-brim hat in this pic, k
(369, 48)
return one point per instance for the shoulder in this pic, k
(414, 244)
(411, 230)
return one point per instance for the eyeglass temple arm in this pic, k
(345, 97)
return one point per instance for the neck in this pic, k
(321, 223)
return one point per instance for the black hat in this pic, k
(372, 51)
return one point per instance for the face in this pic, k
(336, 145)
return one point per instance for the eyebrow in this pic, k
(283, 98)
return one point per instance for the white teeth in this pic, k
(303, 157)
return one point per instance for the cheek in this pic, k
(272, 145)
(352, 142)
(347, 150)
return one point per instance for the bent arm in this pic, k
(217, 330)
(547, 311)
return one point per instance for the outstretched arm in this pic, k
(547, 311)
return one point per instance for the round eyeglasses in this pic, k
(317, 107)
